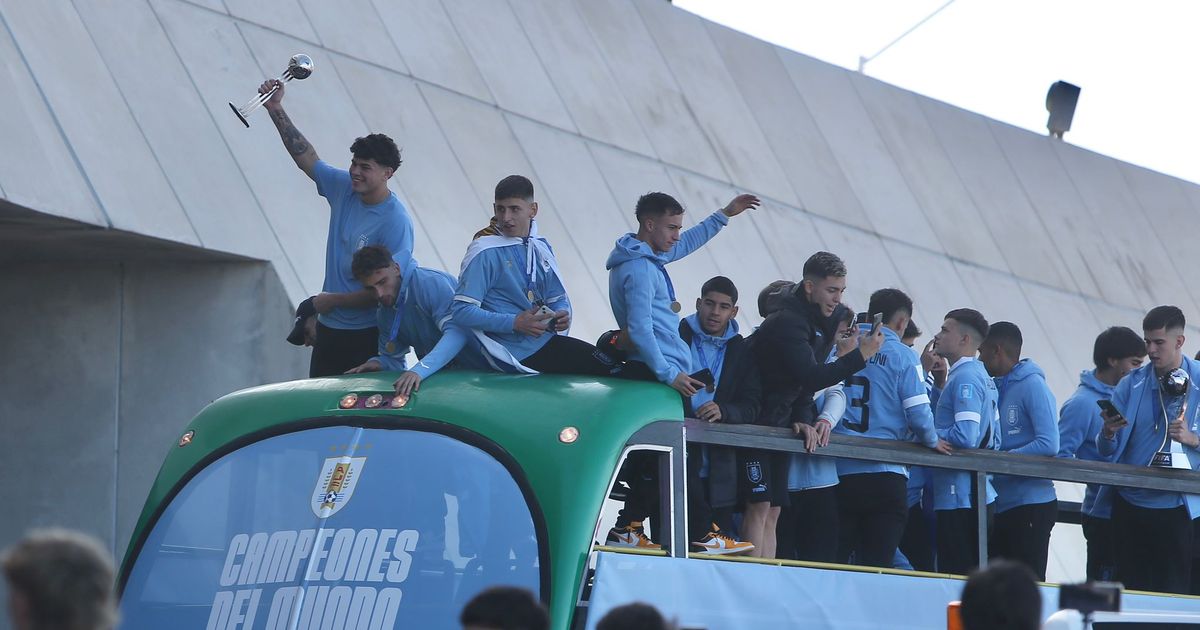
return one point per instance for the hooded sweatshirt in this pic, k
(1028, 425)
(641, 300)
(1079, 423)
(420, 319)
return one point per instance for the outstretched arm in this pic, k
(297, 146)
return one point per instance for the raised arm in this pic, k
(297, 146)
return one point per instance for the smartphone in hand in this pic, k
(876, 322)
(705, 376)
(1111, 411)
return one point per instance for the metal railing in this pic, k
(673, 435)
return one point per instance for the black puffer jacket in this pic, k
(790, 348)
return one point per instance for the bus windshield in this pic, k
(337, 526)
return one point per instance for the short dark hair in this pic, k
(823, 265)
(378, 147)
(66, 578)
(972, 319)
(635, 616)
(911, 331)
(368, 260)
(720, 284)
(1164, 317)
(515, 187)
(1002, 596)
(889, 302)
(1118, 342)
(505, 608)
(1007, 336)
(656, 204)
(771, 295)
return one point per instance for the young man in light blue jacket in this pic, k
(414, 312)
(641, 293)
(647, 311)
(966, 417)
(889, 402)
(1026, 507)
(1117, 352)
(1159, 406)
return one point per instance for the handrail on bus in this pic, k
(979, 462)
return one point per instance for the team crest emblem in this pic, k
(362, 242)
(336, 483)
(965, 392)
(754, 472)
(1012, 415)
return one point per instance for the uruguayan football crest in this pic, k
(335, 484)
(1012, 416)
(754, 472)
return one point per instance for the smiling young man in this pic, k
(644, 304)
(791, 347)
(511, 296)
(965, 416)
(362, 211)
(1152, 529)
(413, 312)
(1117, 352)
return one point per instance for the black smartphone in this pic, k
(705, 376)
(1110, 409)
(862, 318)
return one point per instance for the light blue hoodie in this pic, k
(1079, 423)
(1028, 425)
(708, 351)
(641, 302)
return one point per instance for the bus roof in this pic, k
(523, 415)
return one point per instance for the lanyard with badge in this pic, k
(401, 300)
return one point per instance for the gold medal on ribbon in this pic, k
(675, 307)
(529, 294)
(390, 347)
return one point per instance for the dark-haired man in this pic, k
(1002, 596)
(1117, 352)
(888, 401)
(791, 346)
(644, 304)
(965, 416)
(1026, 507)
(512, 297)
(362, 211)
(711, 334)
(414, 312)
(504, 608)
(1159, 405)
(640, 290)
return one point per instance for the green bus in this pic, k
(332, 504)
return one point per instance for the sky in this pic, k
(1136, 62)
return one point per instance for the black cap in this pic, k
(303, 312)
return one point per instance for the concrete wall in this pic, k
(115, 116)
(104, 366)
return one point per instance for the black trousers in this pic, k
(1023, 534)
(1100, 549)
(808, 526)
(568, 355)
(872, 510)
(917, 542)
(336, 350)
(958, 540)
(1153, 547)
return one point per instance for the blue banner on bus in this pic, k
(338, 527)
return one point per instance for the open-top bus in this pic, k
(330, 503)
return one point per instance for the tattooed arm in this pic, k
(301, 151)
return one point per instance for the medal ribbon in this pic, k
(401, 299)
(670, 287)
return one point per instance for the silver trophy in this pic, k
(1172, 396)
(299, 67)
